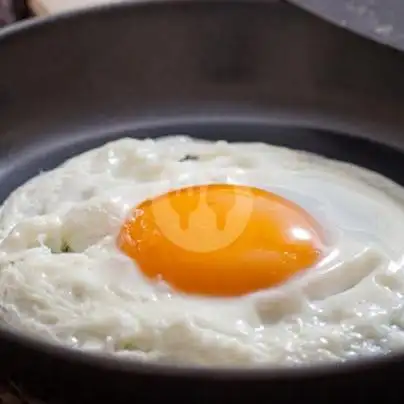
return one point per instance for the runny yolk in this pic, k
(221, 239)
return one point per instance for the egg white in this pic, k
(93, 297)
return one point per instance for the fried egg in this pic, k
(181, 250)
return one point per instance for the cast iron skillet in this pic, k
(233, 70)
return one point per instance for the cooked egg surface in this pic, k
(301, 263)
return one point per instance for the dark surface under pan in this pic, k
(216, 69)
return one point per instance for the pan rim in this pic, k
(114, 363)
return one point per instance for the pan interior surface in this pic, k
(44, 155)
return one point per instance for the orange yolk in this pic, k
(221, 239)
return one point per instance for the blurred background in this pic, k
(12, 10)
(381, 20)
(7, 12)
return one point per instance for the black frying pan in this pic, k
(250, 70)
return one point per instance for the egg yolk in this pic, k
(221, 239)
